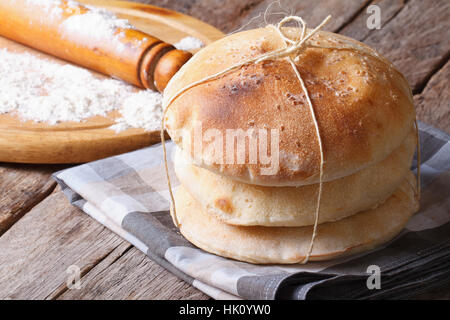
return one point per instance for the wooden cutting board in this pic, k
(75, 142)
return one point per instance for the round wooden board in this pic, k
(75, 142)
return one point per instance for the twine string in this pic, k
(316, 125)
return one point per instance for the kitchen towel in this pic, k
(128, 194)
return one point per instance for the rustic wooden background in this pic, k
(41, 235)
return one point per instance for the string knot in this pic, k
(293, 47)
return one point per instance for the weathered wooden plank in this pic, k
(312, 11)
(219, 13)
(131, 275)
(37, 250)
(21, 188)
(357, 28)
(433, 104)
(416, 40)
(107, 260)
(231, 15)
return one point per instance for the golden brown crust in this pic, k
(362, 103)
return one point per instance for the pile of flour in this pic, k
(189, 43)
(44, 91)
(41, 90)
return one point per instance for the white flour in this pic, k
(89, 28)
(44, 91)
(51, 7)
(189, 43)
(140, 110)
(95, 26)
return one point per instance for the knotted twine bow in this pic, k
(292, 47)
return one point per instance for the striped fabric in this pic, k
(128, 194)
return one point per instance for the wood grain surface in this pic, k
(21, 188)
(37, 250)
(432, 104)
(129, 274)
(45, 234)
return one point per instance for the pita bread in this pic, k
(262, 245)
(363, 105)
(243, 204)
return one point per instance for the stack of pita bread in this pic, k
(365, 116)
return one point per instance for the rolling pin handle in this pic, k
(168, 65)
(160, 62)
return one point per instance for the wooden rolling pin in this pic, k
(123, 53)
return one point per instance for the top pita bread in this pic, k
(363, 105)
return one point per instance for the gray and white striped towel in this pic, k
(128, 194)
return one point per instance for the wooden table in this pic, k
(41, 234)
